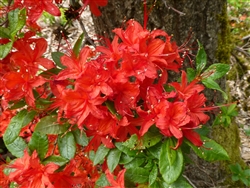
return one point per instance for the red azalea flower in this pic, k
(175, 117)
(197, 108)
(119, 182)
(184, 89)
(29, 172)
(19, 85)
(35, 8)
(94, 4)
(75, 66)
(29, 54)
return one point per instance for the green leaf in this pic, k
(150, 139)
(111, 106)
(236, 169)
(124, 159)
(211, 84)
(136, 162)
(49, 125)
(156, 150)
(191, 73)
(78, 45)
(170, 162)
(201, 59)
(4, 32)
(28, 117)
(101, 153)
(5, 49)
(17, 147)
(131, 142)
(137, 175)
(211, 151)
(216, 71)
(180, 182)
(125, 149)
(102, 181)
(113, 159)
(80, 137)
(67, 145)
(14, 127)
(59, 160)
(153, 175)
(40, 143)
(17, 20)
(56, 56)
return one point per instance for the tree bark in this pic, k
(208, 22)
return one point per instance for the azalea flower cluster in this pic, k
(129, 75)
(110, 93)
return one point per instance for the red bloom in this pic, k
(35, 8)
(29, 55)
(94, 4)
(119, 182)
(197, 108)
(29, 172)
(75, 67)
(184, 89)
(19, 85)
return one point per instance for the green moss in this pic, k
(228, 137)
(225, 44)
(230, 141)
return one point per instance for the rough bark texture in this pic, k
(208, 21)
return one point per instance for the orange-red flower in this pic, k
(29, 172)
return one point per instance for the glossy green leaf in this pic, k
(113, 159)
(201, 58)
(59, 160)
(191, 73)
(156, 150)
(211, 84)
(17, 147)
(150, 139)
(180, 182)
(101, 153)
(17, 19)
(14, 127)
(153, 175)
(170, 162)
(67, 145)
(28, 117)
(56, 56)
(4, 32)
(131, 142)
(40, 143)
(102, 181)
(49, 125)
(80, 137)
(78, 45)
(124, 159)
(211, 151)
(137, 175)
(125, 149)
(5, 49)
(136, 162)
(216, 71)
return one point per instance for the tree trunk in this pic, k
(208, 21)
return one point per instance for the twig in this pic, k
(170, 7)
(86, 36)
(242, 51)
(189, 181)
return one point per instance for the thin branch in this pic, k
(170, 7)
(242, 51)
(189, 181)
(86, 36)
